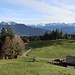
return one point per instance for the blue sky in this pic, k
(37, 11)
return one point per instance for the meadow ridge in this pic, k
(52, 48)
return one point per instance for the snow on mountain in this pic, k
(22, 29)
(39, 28)
(66, 28)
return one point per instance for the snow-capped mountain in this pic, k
(66, 28)
(38, 29)
(22, 29)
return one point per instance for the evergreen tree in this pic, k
(50, 36)
(46, 35)
(10, 32)
(53, 35)
(61, 35)
(3, 34)
(57, 34)
(66, 36)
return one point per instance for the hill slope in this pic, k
(24, 66)
(52, 49)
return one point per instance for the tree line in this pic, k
(57, 34)
(53, 35)
(11, 45)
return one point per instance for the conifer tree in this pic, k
(3, 34)
(46, 35)
(10, 32)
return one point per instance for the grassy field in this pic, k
(52, 49)
(46, 49)
(26, 67)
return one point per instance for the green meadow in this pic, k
(40, 49)
(52, 49)
(25, 66)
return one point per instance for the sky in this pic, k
(37, 11)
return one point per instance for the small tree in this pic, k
(19, 45)
(46, 35)
(10, 32)
(61, 34)
(34, 59)
(66, 36)
(3, 34)
(6, 47)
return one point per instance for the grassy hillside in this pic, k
(46, 49)
(24, 67)
(52, 49)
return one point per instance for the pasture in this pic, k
(25, 67)
(52, 49)
(40, 49)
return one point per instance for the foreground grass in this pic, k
(52, 49)
(46, 49)
(26, 67)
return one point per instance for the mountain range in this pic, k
(22, 29)
(66, 28)
(39, 29)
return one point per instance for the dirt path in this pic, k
(25, 53)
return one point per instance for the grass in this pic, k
(46, 49)
(52, 49)
(25, 67)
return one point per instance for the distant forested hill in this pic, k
(22, 29)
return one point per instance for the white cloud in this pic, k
(62, 13)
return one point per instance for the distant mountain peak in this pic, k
(65, 27)
(38, 29)
(8, 23)
(22, 29)
(11, 23)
